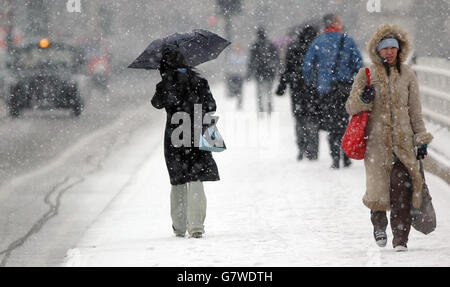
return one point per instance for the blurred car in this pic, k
(98, 62)
(44, 77)
(3, 75)
(4, 72)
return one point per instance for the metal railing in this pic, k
(434, 79)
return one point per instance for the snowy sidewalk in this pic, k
(267, 210)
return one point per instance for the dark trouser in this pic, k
(264, 95)
(235, 83)
(335, 140)
(307, 136)
(400, 197)
(337, 119)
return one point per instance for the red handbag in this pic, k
(353, 141)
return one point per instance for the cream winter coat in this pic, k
(395, 124)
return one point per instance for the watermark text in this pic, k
(373, 6)
(73, 6)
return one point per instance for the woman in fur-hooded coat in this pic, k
(395, 126)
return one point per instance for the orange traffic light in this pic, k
(44, 43)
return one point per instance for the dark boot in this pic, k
(347, 161)
(311, 156)
(335, 164)
(335, 149)
(301, 139)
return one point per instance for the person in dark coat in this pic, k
(330, 64)
(303, 103)
(263, 64)
(179, 90)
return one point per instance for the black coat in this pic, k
(185, 164)
(304, 97)
(264, 60)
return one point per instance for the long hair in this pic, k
(171, 60)
(398, 63)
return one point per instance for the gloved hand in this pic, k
(368, 95)
(281, 89)
(422, 152)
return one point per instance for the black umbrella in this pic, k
(198, 46)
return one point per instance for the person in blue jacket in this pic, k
(329, 66)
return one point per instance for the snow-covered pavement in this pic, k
(268, 209)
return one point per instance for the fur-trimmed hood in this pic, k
(384, 31)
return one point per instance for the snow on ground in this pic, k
(439, 147)
(268, 209)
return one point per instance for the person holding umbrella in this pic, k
(181, 91)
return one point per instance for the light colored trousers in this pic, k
(188, 208)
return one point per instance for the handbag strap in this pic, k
(338, 58)
(368, 76)
(421, 170)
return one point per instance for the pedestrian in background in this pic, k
(235, 72)
(263, 64)
(330, 64)
(303, 104)
(394, 129)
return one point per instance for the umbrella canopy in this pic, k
(197, 47)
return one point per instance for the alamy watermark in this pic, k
(73, 6)
(244, 130)
(373, 6)
(182, 135)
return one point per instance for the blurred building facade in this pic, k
(130, 25)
